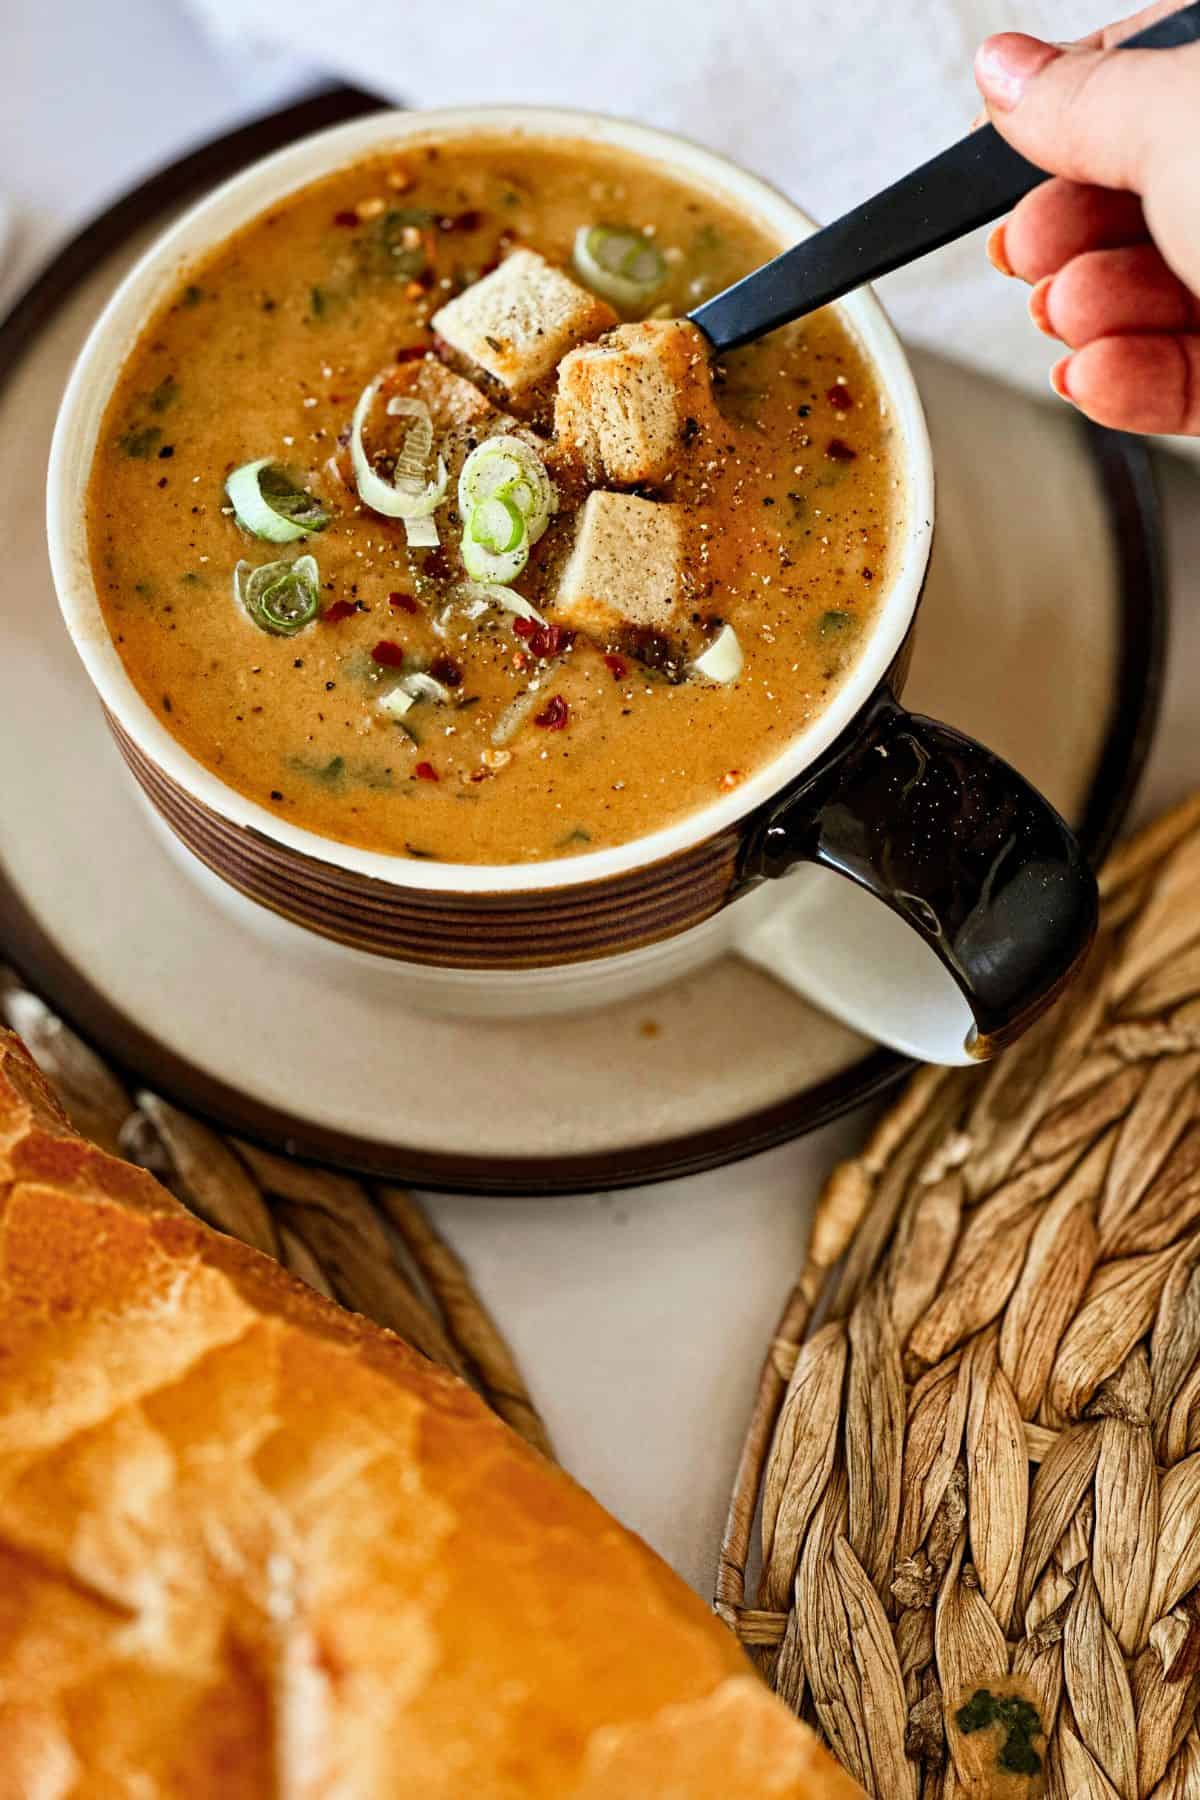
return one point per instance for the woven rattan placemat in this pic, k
(974, 1459)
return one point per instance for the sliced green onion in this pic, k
(396, 702)
(483, 560)
(483, 594)
(514, 716)
(422, 534)
(424, 687)
(270, 506)
(506, 467)
(619, 262)
(723, 660)
(497, 524)
(393, 500)
(280, 597)
(413, 460)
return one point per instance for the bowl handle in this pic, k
(961, 850)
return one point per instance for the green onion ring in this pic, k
(269, 506)
(620, 263)
(497, 524)
(280, 597)
(508, 467)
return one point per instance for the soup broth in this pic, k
(415, 713)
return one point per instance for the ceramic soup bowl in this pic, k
(932, 899)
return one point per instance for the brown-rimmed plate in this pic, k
(1042, 633)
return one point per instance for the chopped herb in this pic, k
(317, 302)
(706, 240)
(190, 578)
(575, 836)
(164, 395)
(167, 450)
(832, 624)
(330, 774)
(144, 588)
(140, 441)
(388, 246)
(192, 295)
(422, 855)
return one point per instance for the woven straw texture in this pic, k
(373, 1248)
(974, 1459)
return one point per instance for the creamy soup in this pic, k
(605, 621)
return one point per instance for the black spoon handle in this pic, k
(970, 184)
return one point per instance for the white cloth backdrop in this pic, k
(831, 99)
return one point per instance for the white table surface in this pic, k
(639, 1317)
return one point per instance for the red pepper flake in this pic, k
(425, 771)
(731, 778)
(403, 603)
(524, 628)
(617, 666)
(349, 219)
(442, 348)
(479, 775)
(838, 450)
(550, 640)
(553, 715)
(341, 609)
(391, 656)
(447, 671)
(840, 397)
(411, 353)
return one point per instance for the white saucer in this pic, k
(1033, 636)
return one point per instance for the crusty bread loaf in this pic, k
(251, 1545)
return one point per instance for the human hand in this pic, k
(1112, 244)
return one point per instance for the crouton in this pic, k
(454, 403)
(626, 567)
(627, 406)
(519, 321)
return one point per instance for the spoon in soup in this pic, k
(972, 183)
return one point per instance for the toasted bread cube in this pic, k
(520, 320)
(626, 567)
(627, 406)
(454, 403)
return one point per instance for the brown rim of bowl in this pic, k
(1126, 475)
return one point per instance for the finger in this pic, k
(1149, 384)
(1097, 116)
(1107, 292)
(1062, 219)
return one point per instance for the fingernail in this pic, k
(1007, 63)
(997, 254)
(1058, 378)
(1039, 306)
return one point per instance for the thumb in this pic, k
(1093, 115)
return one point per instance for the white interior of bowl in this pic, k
(231, 206)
